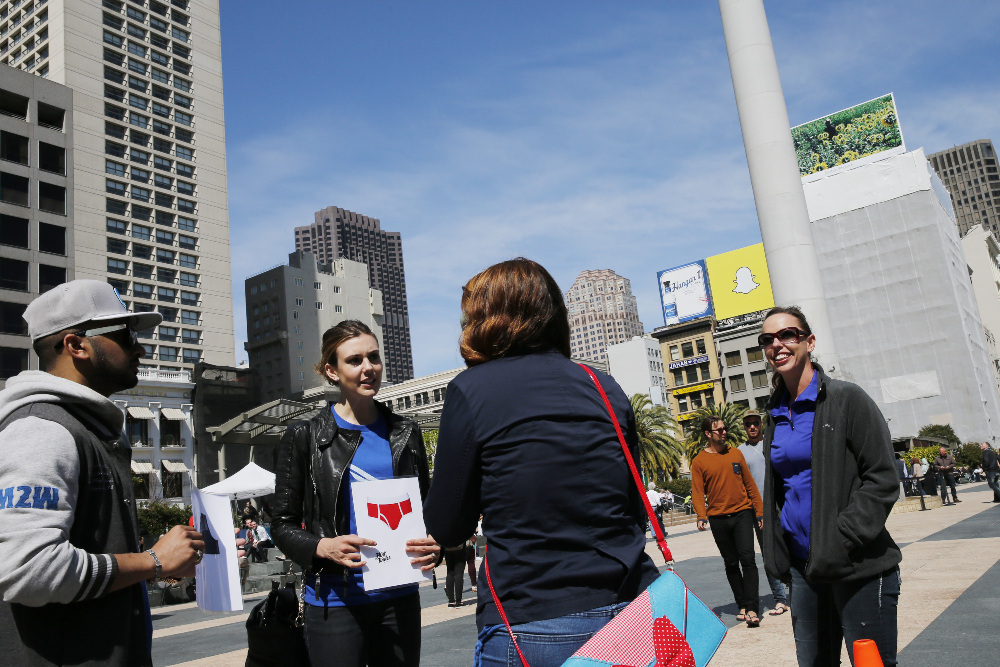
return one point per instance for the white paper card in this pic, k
(219, 571)
(389, 511)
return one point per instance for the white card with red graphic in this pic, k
(390, 512)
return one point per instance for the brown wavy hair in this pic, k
(336, 336)
(514, 307)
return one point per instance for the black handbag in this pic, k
(275, 633)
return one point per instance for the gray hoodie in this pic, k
(38, 565)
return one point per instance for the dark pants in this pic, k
(777, 588)
(993, 479)
(470, 559)
(734, 536)
(949, 479)
(376, 634)
(826, 615)
(454, 582)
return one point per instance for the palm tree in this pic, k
(732, 416)
(659, 446)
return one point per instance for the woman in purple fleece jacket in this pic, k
(829, 486)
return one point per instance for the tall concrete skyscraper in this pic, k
(602, 312)
(970, 173)
(339, 233)
(148, 205)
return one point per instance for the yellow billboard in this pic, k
(739, 282)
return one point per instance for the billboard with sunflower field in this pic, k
(863, 133)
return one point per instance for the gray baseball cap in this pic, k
(79, 302)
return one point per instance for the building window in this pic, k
(733, 359)
(317, 285)
(14, 189)
(701, 345)
(189, 317)
(759, 379)
(754, 354)
(682, 403)
(298, 283)
(13, 274)
(687, 349)
(189, 298)
(678, 377)
(338, 309)
(12, 320)
(319, 305)
(192, 356)
(737, 383)
(13, 147)
(168, 353)
(142, 291)
(13, 231)
(12, 361)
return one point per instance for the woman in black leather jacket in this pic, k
(357, 439)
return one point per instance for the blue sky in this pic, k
(581, 134)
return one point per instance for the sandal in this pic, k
(753, 620)
(742, 616)
(779, 609)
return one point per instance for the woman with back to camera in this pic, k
(829, 485)
(527, 442)
(357, 439)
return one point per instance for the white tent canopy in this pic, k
(250, 482)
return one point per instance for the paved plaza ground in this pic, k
(947, 610)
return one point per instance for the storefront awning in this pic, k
(140, 412)
(142, 467)
(173, 414)
(174, 466)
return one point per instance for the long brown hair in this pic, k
(777, 383)
(513, 307)
(334, 337)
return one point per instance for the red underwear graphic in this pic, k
(390, 513)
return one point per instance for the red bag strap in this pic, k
(661, 541)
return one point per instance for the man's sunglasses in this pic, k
(786, 335)
(131, 341)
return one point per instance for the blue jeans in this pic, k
(994, 483)
(825, 615)
(777, 588)
(548, 642)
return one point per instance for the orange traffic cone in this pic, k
(866, 654)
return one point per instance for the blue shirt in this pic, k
(372, 460)
(791, 460)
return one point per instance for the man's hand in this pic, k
(178, 551)
(702, 524)
(760, 523)
(424, 551)
(344, 549)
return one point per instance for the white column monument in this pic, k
(774, 171)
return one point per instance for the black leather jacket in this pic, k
(312, 458)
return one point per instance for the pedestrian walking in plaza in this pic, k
(945, 465)
(357, 439)
(656, 502)
(753, 452)
(70, 565)
(917, 473)
(455, 561)
(526, 441)
(720, 475)
(829, 485)
(991, 468)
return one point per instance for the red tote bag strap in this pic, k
(503, 614)
(661, 541)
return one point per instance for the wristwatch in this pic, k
(159, 567)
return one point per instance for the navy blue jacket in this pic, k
(527, 442)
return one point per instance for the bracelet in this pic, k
(159, 567)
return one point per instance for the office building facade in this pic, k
(694, 379)
(148, 203)
(637, 367)
(969, 172)
(289, 308)
(36, 202)
(982, 254)
(602, 311)
(745, 373)
(338, 233)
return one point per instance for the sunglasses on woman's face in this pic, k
(786, 336)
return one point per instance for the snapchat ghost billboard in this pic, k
(739, 282)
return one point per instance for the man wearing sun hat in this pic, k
(69, 562)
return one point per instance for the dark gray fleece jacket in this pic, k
(854, 486)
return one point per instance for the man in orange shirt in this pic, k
(720, 474)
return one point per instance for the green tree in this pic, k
(430, 443)
(659, 445)
(157, 517)
(732, 416)
(941, 431)
(969, 454)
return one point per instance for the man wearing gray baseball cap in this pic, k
(70, 567)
